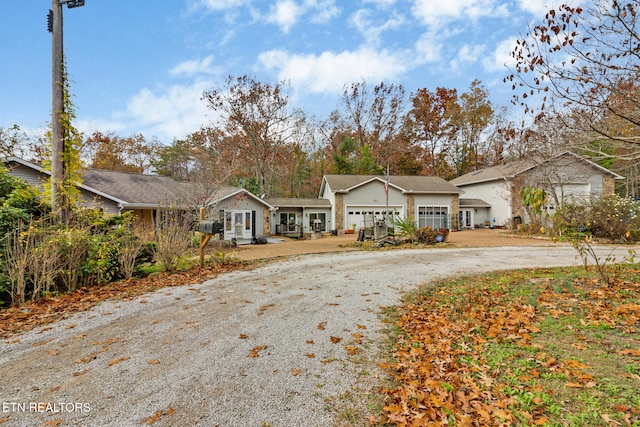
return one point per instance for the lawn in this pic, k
(548, 347)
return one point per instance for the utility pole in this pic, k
(54, 21)
(57, 108)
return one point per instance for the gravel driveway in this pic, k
(282, 345)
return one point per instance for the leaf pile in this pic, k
(28, 316)
(511, 350)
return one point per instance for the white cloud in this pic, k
(193, 67)
(540, 7)
(285, 14)
(172, 112)
(221, 4)
(329, 72)
(381, 3)
(501, 57)
(429, 47)
(88, 126)
(467, 54)
(438, 12)
(322, 11)
(372, 30)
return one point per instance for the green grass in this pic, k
(575, 362)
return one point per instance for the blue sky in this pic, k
(140, 66)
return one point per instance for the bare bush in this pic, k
(130, 247)
(173, 238)
(16, 254)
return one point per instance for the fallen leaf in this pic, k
(153, 362)
(309, 341)
(118, 360)
(336, 340)
(78, 373)
(321, 326)
(357, 338)
(574, 385)
(296, 372)
(352, 350)
(88, 358)
(310, 355)
(630, 352)
(158, 416)
(263, 309)
(361, 327)
(243, 336)
(255, 352)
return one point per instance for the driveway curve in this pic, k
(280, 345)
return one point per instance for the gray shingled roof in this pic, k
(473, 203)
(414, 184)
(282, 202)
(514, 168)
(138, 189)
(493, 173)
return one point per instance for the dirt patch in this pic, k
(345, 242)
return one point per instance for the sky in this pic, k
(141, 66)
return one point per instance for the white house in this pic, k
(491, 196)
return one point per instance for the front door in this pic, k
(466, 218)
(238, 224)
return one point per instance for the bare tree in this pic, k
(582, 64)
(372, 116)
(258, 122)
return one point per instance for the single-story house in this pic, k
(491, 196)
(356, 200)
(244, 215)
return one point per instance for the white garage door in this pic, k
(357, 214)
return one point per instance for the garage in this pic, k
(357, 216)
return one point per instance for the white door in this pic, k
(466, 218)
(238, 225)
(357, 215)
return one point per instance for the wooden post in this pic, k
(202, 240)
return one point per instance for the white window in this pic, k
(433, 216)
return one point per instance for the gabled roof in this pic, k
(135, 191)
(405, 184)
(514, 168)
(283, 202)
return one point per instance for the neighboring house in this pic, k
(430, 200)
(491, 196)
(244, 214)
(296, 217)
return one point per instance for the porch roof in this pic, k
(473, 203)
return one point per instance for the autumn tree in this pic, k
(258, 123)
(432, 128)
(474, 116)
(112, 152)
(585, 60)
